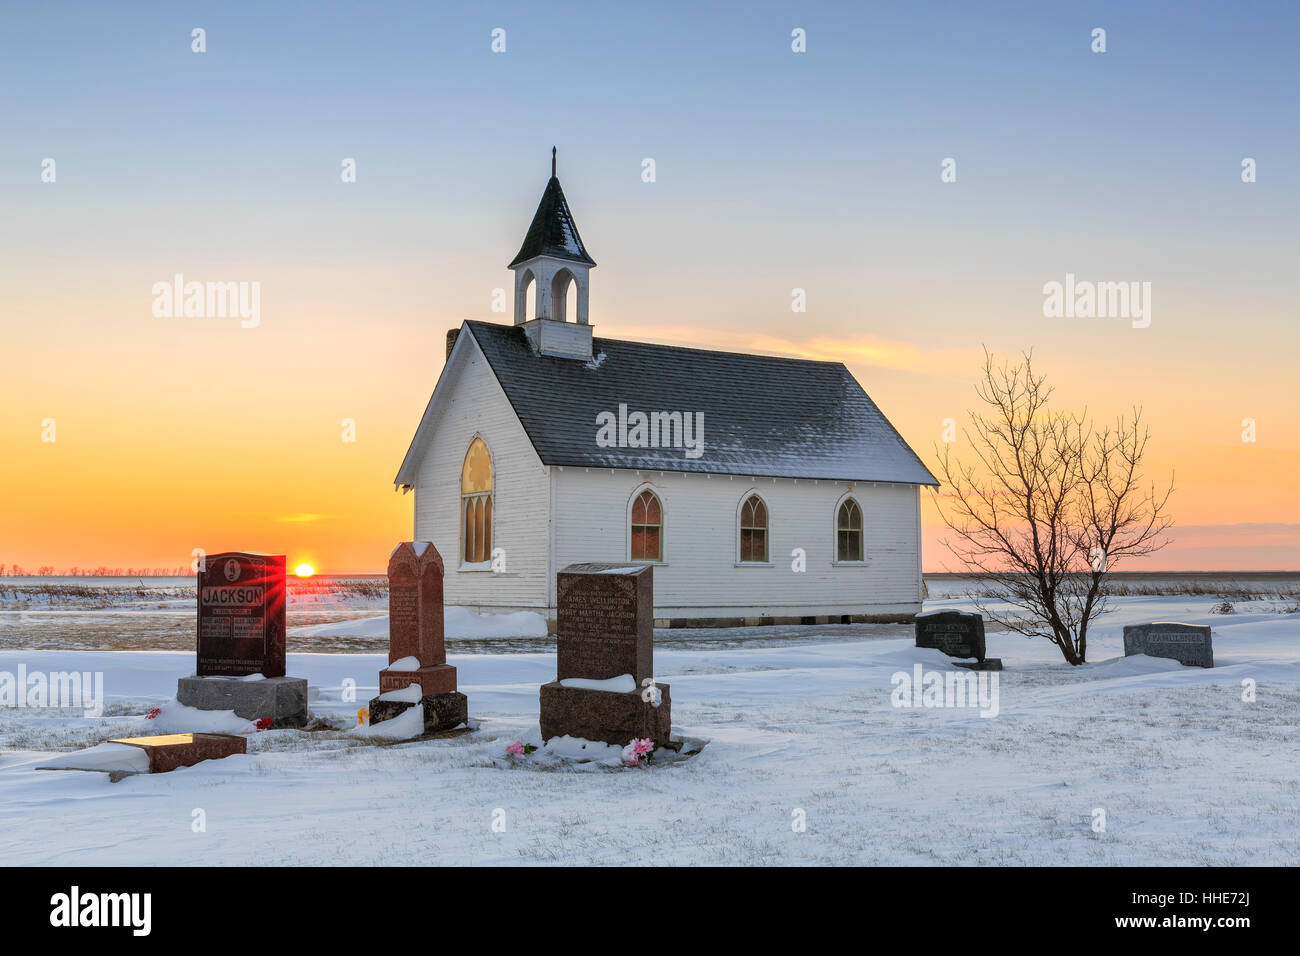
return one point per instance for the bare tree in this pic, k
(1046, 506)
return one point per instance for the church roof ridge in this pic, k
(680, 348)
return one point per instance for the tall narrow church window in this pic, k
(848, 525)
(476, 503)
(753, 530)
(647, 527)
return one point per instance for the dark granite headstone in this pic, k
(241, 603)
(956, 633)
(604, 621)
(415, 630)
(1189, 644)
(605, 630)
(241, 598)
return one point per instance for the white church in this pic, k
(762, 489)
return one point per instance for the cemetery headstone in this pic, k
(241, 598)
(1189, 644)
(604, 656)
(169, 751)
(157, 754)
(605, 616)
(417, 656)
(957, 634)
(241, 641)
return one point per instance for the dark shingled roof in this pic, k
(763, 415)
(553, 232)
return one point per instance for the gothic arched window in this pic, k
(753, 530)
(647, 527)
(476, 503)
(848, 528)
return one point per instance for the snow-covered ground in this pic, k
(1184, 769)
(346, 616)
(458, 622)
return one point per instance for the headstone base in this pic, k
(282, 699)
(614, 718)
(434, 679)
(988, 664)
(441, 711)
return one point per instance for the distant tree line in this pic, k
(48, 570)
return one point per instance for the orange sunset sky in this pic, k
(774, 172)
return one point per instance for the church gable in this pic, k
(478, 487)
(467, 401)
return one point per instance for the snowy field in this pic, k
(116, 613)
(1185, 770)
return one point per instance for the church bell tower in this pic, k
(554, 258)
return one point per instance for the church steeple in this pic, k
(553, 256)
(553, 231)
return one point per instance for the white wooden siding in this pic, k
(701, 575)
(476, 405)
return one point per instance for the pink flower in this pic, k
(515, 749)
(638, 748)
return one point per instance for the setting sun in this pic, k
(304, 570)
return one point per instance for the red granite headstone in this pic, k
(241, 602)
(169, 751)
(415, 620)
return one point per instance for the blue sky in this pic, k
(774, 170)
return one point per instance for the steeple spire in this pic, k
(553, 231)
(551, 259)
